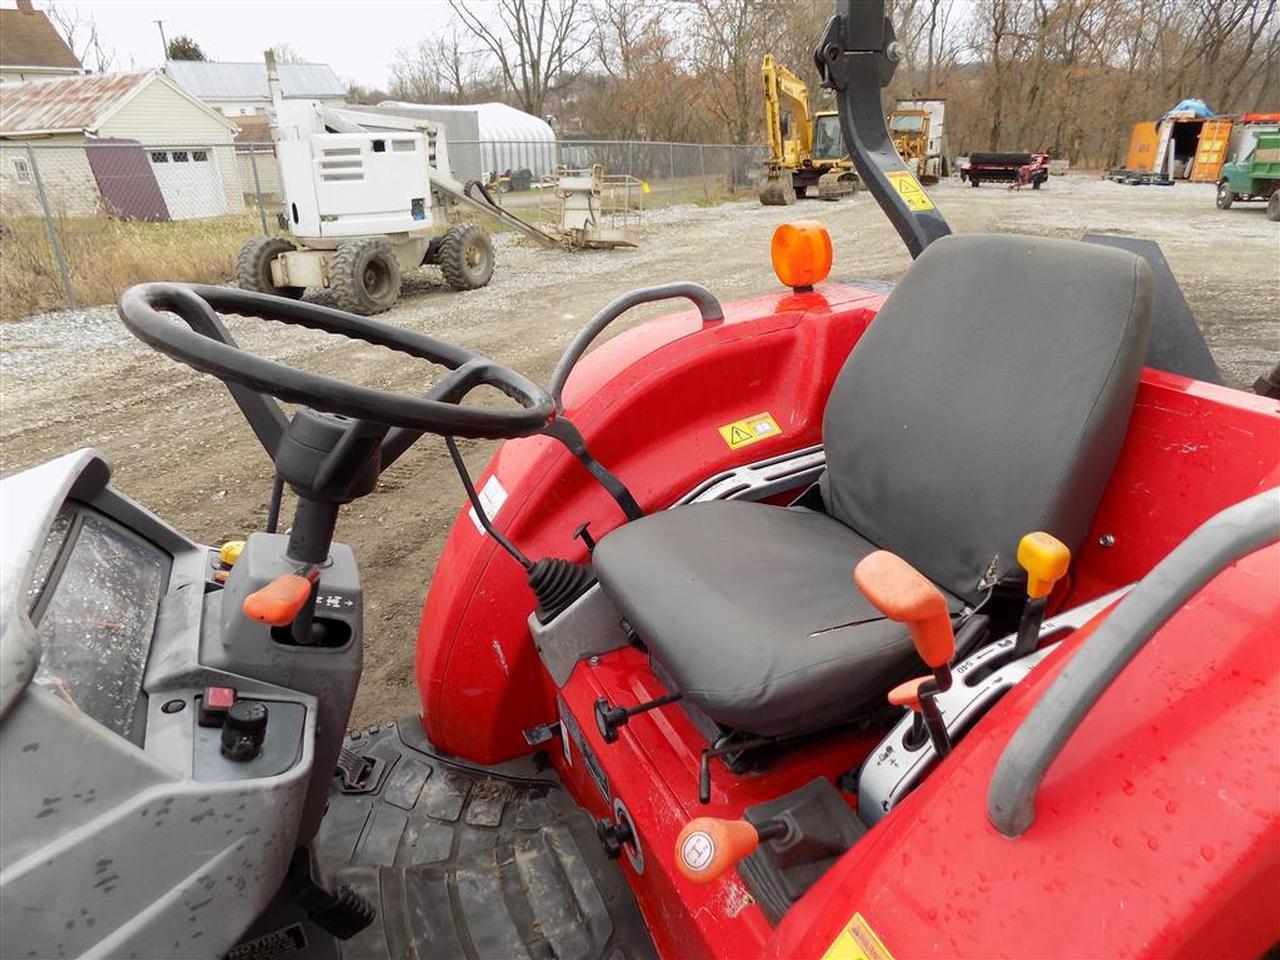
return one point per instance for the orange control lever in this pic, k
(708, 846)
(908, 694)
(903, 593)
(279, 602)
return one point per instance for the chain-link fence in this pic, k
(81, 221)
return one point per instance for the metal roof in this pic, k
(211, 80)
(71, 104)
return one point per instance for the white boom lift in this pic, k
(363, 196)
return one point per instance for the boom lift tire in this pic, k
(253, 267)
(466, 257)
(1225, 196)
(364, 276)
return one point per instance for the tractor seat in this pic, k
(989, 398)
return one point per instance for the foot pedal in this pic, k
(821, 828)
(357, 773)
(341, 914)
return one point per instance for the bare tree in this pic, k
(81, 34)
(729, 40)
(535, 43)
(285, 53)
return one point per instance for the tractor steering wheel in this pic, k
(203, 342)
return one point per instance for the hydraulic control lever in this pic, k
(287, 601)
(905, 595)
(1045, 558)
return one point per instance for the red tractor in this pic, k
(827, 623)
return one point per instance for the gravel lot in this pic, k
(77, 378)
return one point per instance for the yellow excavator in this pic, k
(806, 149)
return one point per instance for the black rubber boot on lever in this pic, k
(856, 57)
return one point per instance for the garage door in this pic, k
(189, 182)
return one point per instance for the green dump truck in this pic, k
(1254, 174)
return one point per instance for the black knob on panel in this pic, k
(244, 730)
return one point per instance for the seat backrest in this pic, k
(989, 398)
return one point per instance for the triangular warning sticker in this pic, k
(909, 190)
(739, 435)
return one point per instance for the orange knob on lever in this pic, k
(708, 846)
(280, 601)
(903, 593)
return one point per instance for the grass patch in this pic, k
(106, 257)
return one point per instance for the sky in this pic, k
(358, 38)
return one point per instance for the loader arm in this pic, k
(856, 57)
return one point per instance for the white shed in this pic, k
(129, 144)
(487, 138)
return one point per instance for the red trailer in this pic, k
(1013, 168)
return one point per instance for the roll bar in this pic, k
(1227, 537)
(857, 56)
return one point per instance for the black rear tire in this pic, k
(253, 267)
(364, 276)
(1273, 206)
(466, 257)
(973, 181)
(1225, 196)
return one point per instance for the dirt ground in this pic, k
(76, 378)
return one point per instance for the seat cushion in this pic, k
(753, 612)
(989, 398)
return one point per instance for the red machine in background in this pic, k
(1015, 169)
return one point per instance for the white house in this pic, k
(240, 89)
(133, 145)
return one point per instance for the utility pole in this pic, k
(163, 42)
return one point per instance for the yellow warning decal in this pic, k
(857, 941)
(909, 190)
(750, 430)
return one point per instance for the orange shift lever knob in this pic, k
(708, 846)
(903, 593)
(908, 694)
(279, 602)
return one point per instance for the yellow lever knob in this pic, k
(230, 552)
(1045, 558)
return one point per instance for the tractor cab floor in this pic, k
(468, 861)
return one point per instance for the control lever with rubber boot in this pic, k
(903, 594)
(708, 846)
(1045, 558)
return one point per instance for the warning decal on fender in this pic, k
(857, 941)
(289, 942)
(750, 430)
(909, 190)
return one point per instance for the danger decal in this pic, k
(909, 190)
(750, 430)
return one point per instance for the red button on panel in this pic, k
(214, 705)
